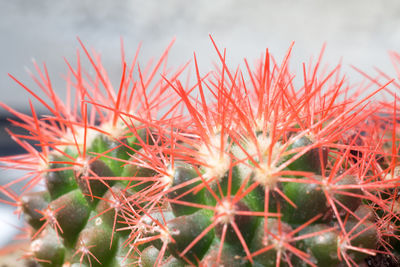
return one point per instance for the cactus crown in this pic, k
(242, 168)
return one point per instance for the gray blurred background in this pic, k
(360, 32)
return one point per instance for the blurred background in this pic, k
(358, 32)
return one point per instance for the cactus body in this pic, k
(261, 174)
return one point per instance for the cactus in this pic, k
(242, 168)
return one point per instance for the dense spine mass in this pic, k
(242, 168)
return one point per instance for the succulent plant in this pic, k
(241, 168)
